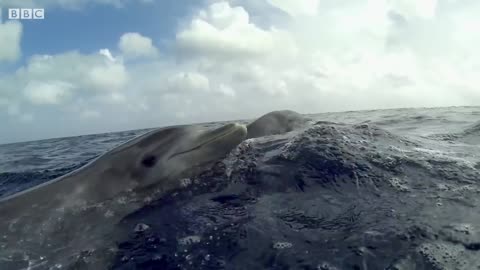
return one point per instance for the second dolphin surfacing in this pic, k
(52, 222)
(276, 122)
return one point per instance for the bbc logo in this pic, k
(26, 13)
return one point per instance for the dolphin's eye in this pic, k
(149, 161)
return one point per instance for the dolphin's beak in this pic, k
(229, 129)
(235, 132)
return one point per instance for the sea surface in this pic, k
(384, 189)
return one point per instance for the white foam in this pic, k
(193, 239)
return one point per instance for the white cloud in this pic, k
(59, 80)
(344, 55)
(85, 72)
(68, 4)
(225, 31)
(189, 82)
(231, 61)
(424, 9)
(134, 45)
(10, 36)
(14, 111)
(89, 114)
(297, 7)
(107, 54)
(109, 77)
(226, 90)
(47, 93)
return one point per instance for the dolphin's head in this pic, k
(168, 155)
(158, 160)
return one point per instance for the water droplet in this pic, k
(141, 227)
(109, 213)
(282, 245)
(189, 240)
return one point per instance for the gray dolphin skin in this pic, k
(67, 215)
(58, 222)
(276, 122)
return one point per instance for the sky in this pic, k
(94, 66)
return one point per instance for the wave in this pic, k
(331, 196)
(473, 130)
(376, 195)
(13, 182)
(470, 135)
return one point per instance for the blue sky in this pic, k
(101, 25)
(108, 65)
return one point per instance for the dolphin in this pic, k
(51, 223)
(276, 122)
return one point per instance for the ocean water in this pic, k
(386, 189)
